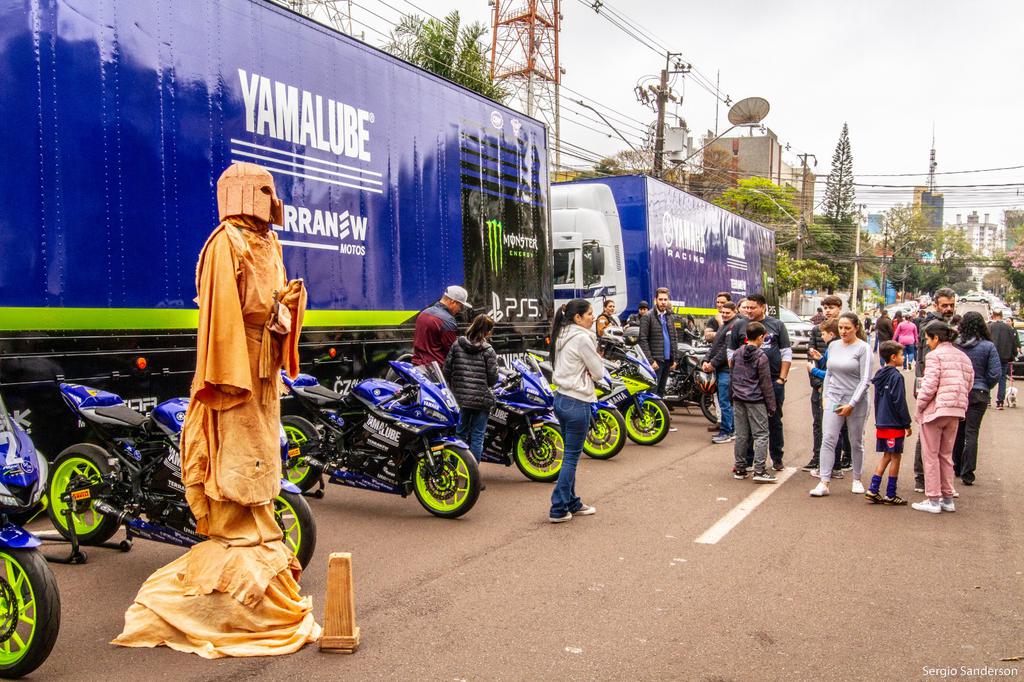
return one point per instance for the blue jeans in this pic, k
(1001, 393)
(472, 427)
(574, 416)
(908, 355)
(724, 404)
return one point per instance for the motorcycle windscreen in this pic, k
(506, 237)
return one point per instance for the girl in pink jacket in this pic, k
(941, 404)
(905, 334)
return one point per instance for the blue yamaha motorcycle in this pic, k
(29, 601)
(522, 426)
(131, 476)
(384, 436)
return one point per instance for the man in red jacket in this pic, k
(436, 329)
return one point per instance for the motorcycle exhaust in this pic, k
(315, 464)
(121, 515)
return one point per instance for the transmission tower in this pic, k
(524, 58)
(326, 12)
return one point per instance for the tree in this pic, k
(806, 273)
(715, 176)
(762, 201)
(905, 238)
(447, 48)
(840, 210)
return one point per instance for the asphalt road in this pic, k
(801, 588)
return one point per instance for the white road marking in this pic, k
(732, 519)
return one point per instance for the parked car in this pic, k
(799, 331)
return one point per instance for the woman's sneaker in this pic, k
(929, 505)
(857, 488)
(946, 504)
(764, 477)
(820, 490)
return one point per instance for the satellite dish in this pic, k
(749, 111)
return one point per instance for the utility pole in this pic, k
(663, 96)
(801, 229)
(856, 266)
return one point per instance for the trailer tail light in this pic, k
(141, 363)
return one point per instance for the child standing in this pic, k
(892, 422)
(753, 399)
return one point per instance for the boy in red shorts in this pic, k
(892, 423)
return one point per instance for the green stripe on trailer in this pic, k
(68, 319)
(679, 310)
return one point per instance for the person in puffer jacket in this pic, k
(974, 340)
(941, 404)
(471, 369)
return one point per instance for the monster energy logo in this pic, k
(497, 241)
(495, 244)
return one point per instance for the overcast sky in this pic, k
(889, 68)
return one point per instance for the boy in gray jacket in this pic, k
(753, 401)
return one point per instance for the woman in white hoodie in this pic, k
(576, 364)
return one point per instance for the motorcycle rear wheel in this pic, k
(607, 435)
(29, 611)
(302, 434)
(649, 426)
(82, 460)
(454, 490)
(545, 461)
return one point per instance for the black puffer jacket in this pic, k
(471, 371)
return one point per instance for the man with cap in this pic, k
(436, 329)
(634, 319)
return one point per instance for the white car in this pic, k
(799, 331)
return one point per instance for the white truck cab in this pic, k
(587, 245)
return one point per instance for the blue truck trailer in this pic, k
(622, 237)
(118, 117)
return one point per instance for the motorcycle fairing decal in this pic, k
(359, 480)
(158, 533)
(16, 537)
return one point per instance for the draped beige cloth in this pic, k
(235, 594)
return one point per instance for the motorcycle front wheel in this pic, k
(29, 611)
(450, 489)
(607, 435)
(648, 425)
(708, 407)
(543, 461)
(293, 515)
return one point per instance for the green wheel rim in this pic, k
(646, 426)
(17, 611)
(604, 434)
(297, 467)
(546, 459)
(87, 521)
(448, 491)
(288, 520)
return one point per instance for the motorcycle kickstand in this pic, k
(318, 493)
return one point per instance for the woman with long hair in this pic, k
(844, 397)
(975, 340)
(941, 404)
(905, 333)
(471, 369)
(576, 364)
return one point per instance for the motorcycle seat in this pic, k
(123, 414)
(325, 394)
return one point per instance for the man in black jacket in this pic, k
(780, 357)
(659, 338)
(717, 361)
(1008, 344)
(883, 329)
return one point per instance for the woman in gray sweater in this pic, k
(844, 397)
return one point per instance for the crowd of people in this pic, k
(956, 364)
